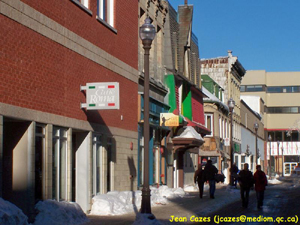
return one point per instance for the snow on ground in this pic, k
(60, 213)
(11, 214)
(274, 180)
(194, 188)
(118, 203)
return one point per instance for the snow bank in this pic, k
(195, 188)
(11, 214)
(274, 181)
(60, 213)
(118, 203)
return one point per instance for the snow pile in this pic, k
(11, 214)
(274, 181)
(195, 188)
(146, 219)
(118, 203)
(52, 212)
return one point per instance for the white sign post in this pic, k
(101, 96)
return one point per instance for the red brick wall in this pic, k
(37, 73)
(123, 45)
(197, 107)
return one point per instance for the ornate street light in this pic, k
(147, 34)
(231, 104)
(256, 153)
(270, 139)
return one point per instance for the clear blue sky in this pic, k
(263, 34)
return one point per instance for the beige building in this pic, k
(280, 91)
(228, 72)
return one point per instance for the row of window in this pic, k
(294, 109)
(274, 89)
(105, 10)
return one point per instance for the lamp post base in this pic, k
(146, 205)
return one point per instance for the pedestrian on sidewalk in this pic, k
(234, 175)
(209, 174)
(260, 181)
(245, 179)
(199, 178)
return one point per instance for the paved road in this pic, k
(280, 200)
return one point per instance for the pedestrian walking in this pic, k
(245, 179)
(199, 178)
(234, 174)
(210, 172)
(260, 181)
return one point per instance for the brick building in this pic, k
(50, 147)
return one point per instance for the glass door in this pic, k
(59, 164)
(97, 165)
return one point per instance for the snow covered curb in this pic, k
(118, 203)
(11, 214)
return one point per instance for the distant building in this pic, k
(249, 117)
(280, 92)
(227, 72)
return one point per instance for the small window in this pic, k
(84, 2)
(242, 88)
(106, 11)
(209, 123)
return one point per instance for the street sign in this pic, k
(101, 96)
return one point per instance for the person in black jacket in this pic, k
(245, 179)
(209, 174)
(199, 178)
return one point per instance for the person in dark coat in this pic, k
(209, 174)
(199, 178)
(260, 181)
(245, 179)
(234, 174)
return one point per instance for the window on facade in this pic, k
(274, 90)
(243, 88)
(59, 164)
(294, 109)
(209, 123)
(253, 88)
(84, 2)
(97, 165)
(106, 11)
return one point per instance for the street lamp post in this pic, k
(231, 104)
(256, 153)
(282, 160)
(277, 157)
(270, 139)
(147, 33)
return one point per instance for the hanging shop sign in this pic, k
(169, 120)
(101, 96)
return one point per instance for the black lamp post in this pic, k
(270, 139)
(256, 153)
(282, 160)
(231, 104)
(147, 33)
(277, 157)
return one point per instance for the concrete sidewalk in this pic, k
(187, 206)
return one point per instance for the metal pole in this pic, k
(277, 163)
(256, 159)
(145, 205)
(231, 145)
(282, 159)
(270, 160)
